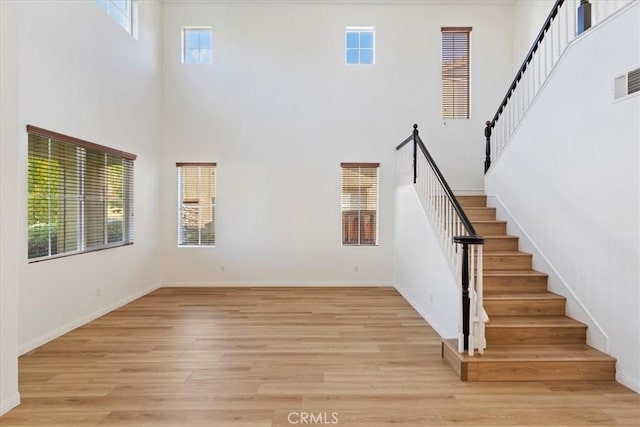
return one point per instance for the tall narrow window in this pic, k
(360, 45)
(360, 203)
(197, 45)
(80, 195)
(120, 11)
(196, 204)
(455, 72)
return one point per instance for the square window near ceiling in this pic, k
(197, 45)
(360, 45)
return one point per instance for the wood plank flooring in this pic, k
(265, 357)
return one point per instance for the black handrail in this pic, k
(492, 123)
(472, 238)
(527, 59)
(417, 141)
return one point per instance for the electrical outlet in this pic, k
(98, 292)
(222, 268)
(355, 268)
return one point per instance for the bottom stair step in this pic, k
(531, 363)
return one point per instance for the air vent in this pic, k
(633, 81)
(627, 84)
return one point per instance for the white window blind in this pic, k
(80, 196)
(455, 72)
(196, 204)
(360, 203)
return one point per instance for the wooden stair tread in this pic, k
(514, 273)
(488, 221)
(533, 322)
(522, 296)
(509, 253)
(533, 353)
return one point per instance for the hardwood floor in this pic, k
(264, 357)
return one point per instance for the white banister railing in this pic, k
(461, 244)
(557, 33)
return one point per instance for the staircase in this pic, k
(529, 337)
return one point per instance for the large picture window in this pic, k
(80, 196)
(196, 204)
(359, 203)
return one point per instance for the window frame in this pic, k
(107, 6)
(360, 243)
(180, 204)
(359, 49)
(82, 195)
(184, 49)
(453, 108)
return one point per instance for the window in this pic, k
(455, 72)
(196, 45)
(120, 11)
(360, 203)
(80, 196)
(360, 45)
(196, 204)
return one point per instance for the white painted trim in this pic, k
(276, 284)
(439, 329)
(628, 381)
(544, 85)
(37, 342)
(596, 335)
(9, 403)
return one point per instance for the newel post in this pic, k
(466, 300)
(584, 16)
(415, 153)
(487, 151)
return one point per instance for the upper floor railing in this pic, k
(566, 20)
(461, 243)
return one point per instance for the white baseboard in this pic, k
(596, 336)
(37, 342)
(275, 284)
(439, 330)
(628, 382)
(9, 403)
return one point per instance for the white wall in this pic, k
(570, 177)
(278, 110)
(9, 396)
(422, 271)
(83, 75)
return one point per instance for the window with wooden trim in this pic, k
(456, 50)
(120, 11)
(359, 204)
(80, 196)
(196, 204)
